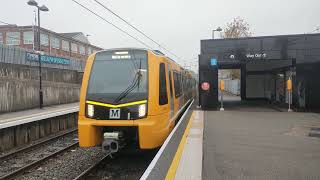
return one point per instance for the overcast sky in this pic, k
(177, 24)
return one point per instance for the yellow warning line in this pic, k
(116, 106)
(175, 162)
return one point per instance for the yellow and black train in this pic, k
(131, 97)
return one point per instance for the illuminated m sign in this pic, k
(114, 114)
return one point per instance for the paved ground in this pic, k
(257, 142)
(13, 116)
(26, 116)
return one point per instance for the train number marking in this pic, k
(114, 114)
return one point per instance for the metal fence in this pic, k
(16, 55)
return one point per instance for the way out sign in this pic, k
(205, 86)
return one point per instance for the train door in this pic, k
(171, 92)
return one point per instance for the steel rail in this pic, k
(39, 143)
(91, 168)
(34, 164)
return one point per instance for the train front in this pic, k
(114, 94)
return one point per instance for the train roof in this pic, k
(154, 51)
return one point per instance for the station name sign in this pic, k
(251, 56)
(47, 59)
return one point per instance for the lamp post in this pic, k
(218, 29)
(40, 8)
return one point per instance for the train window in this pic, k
(177, 84)
(163, 95)
(170, 81)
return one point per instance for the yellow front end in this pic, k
(152, 130)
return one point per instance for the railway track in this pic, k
(91, 168)
(21, 160)
(76, 163)
(121, 166)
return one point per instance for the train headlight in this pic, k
(90, 110)
(142, 110)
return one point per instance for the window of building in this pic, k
(163, 95)
(74, 48)
(1, 38)
(82, 50)
(65, 45)
(13, 38)
(55, 42)
(28, 37)
(44, 39)
(89, 50)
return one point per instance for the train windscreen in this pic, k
(119, 77)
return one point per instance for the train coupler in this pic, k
(112, 142)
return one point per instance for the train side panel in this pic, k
(154, 130)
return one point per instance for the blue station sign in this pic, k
(213, 62)
(47, 59)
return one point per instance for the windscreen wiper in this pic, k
(134, 84)
(130, 88)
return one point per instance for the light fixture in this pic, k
(43, 8)
(32, 3)
(90, 110)
(142, 110)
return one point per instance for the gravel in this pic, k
(66, 165)
(73, 162)
(24, 158)
(123, 166)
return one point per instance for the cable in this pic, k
(125, 32)
(108, 9)
(5, 23)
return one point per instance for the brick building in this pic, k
(68, 45)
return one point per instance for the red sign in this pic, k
(205, 86)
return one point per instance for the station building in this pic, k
(265, 64)
(69, 45)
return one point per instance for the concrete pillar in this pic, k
(6, 139)
(70, 121)
(54, 125)
(44, 128)
(62, 123)
(21, 135)
(34, 133)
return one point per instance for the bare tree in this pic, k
(237, 28)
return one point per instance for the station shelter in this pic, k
(265, 63)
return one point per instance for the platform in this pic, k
(256, 145)
(21, 128)
(190, 165)
(250, 140)
(31, 115)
